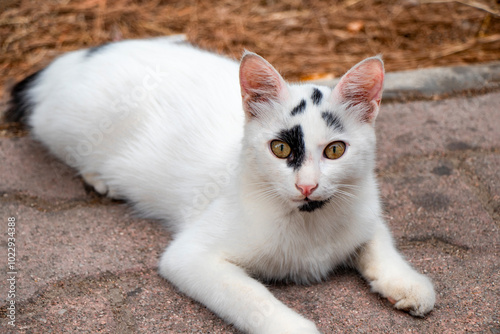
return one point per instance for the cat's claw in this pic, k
(415, 309)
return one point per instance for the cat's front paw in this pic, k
(414, 293)
(286, 324)
(303, 328)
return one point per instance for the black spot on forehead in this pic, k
(316, 96)
(332, 120)
(295, 138)
(312, 205)
(300, 108)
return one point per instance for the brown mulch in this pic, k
(303, 39)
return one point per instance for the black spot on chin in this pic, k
(300, 108)
(316, 96)
(295, 138)
(332, 121)
(312, 205)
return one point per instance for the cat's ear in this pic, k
(361, 88)
(260, 83)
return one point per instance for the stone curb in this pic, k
(437, 82)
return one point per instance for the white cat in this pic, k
(255, 177)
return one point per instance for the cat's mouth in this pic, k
(309, 205)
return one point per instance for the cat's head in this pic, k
(309, 145)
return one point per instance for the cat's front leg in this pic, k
(391, 276)
(226, 289)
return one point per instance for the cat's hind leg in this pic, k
(95, 180)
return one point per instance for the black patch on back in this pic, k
(332, 121)
(312, 205)
(295, 138)
(317, 96)
(300, 108)
(96, 49)
(20, 105)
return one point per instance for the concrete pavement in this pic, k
(85, 264)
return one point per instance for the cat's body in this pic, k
(163, 125)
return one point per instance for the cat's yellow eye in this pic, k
(280, 149)
(335, 150)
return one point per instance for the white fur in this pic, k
(162, 125)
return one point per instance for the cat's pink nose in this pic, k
(306, 189)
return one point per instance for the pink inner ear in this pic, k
(259, 81)
(362, 85)
(374, 85)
